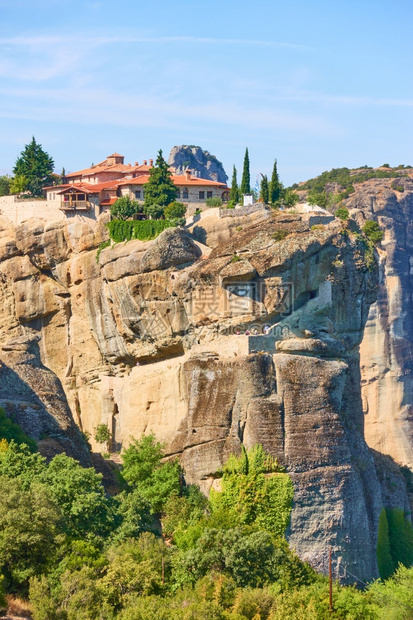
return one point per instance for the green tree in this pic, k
(36, 165)
(290, 198)
(175, 210)
(160, 190)
(143, 470)
(275, 185)
(373, 231)
(18, 184)
(385, 561)
(246, 180)
(29, 525)
(234, 194)
(319, 199)
(124, 208)
(103, 435)
(5, 182)
(265, 190)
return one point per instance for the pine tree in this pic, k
(36, 166)
(275, 185)
(234, 192)
(265, 190)
(246, 182)
(159, 190)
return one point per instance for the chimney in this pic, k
(136, 163)
(151, 163)
(145, 162)
(188, 174)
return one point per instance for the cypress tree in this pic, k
(234, 192)
(245, 183)
(36, 166)
(275, 185)
(265, 190)
(159, 190)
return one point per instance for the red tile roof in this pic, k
(179, 180)
(108, 201)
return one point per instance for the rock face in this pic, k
(152, 338)
(200, 162)
(387, 346)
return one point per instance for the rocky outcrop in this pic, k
(387, 346)
(201, 163)
(254, 340)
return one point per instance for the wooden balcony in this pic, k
(76, 205)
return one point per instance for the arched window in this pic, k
(185, 193)
(178, 193)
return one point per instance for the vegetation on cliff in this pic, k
(160, 549)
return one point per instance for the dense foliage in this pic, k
(36, 166)
(265, 190)
(144, 230)
(125, 207)
(161, 550)
(5, 181)
(9, 430)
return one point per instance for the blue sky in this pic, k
(316, 84)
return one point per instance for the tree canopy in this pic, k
(36, 166)
(246, 180)
(159, 190)
(125, 207)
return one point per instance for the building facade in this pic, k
(98, 187)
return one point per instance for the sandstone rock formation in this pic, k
(201, 163)
(387, 346)
(152, 338)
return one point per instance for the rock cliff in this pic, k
(200, 162)
(387, 346)
(237, 330)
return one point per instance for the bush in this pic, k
(124, 208)
(102, 246)
(373, 231)
(213, 202)
(143, 470)
(279, 235)
(252, 494)
(175, 211)
(154, 211)
(342, 213)
(11, 431)
(144, 230)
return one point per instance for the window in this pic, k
(178, 193)
(138, 194)
(185, 193)
(209, 194)
(80, 197)
(201, 195)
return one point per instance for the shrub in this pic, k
(143, 470)
(103, 435)
(102, 246)
(154, 211)
(213, 202)
(175, 211)
(235, 258)
(11, 431)
(397, 187)
(342, 213)
(373, 231)
(144, 230)
(124, 208)
(279, 235)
